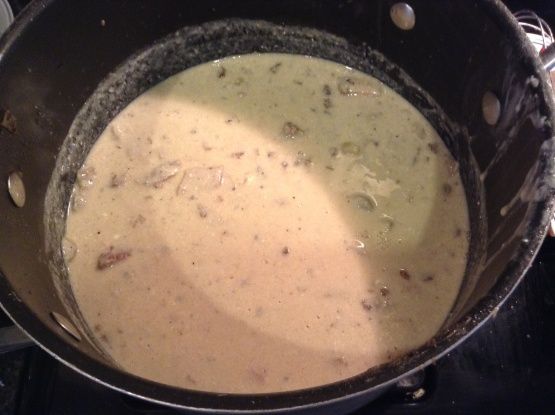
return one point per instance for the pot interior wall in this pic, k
(48, 75)
(198, 44)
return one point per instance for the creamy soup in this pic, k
(266, 223)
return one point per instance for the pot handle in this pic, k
(542, 38)
(12, 338)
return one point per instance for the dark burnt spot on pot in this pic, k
(404, 274)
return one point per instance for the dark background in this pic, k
(508, 367)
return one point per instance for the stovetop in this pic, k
(507, 367)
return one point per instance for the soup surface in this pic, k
(266, 223)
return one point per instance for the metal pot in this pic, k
(465, 64)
